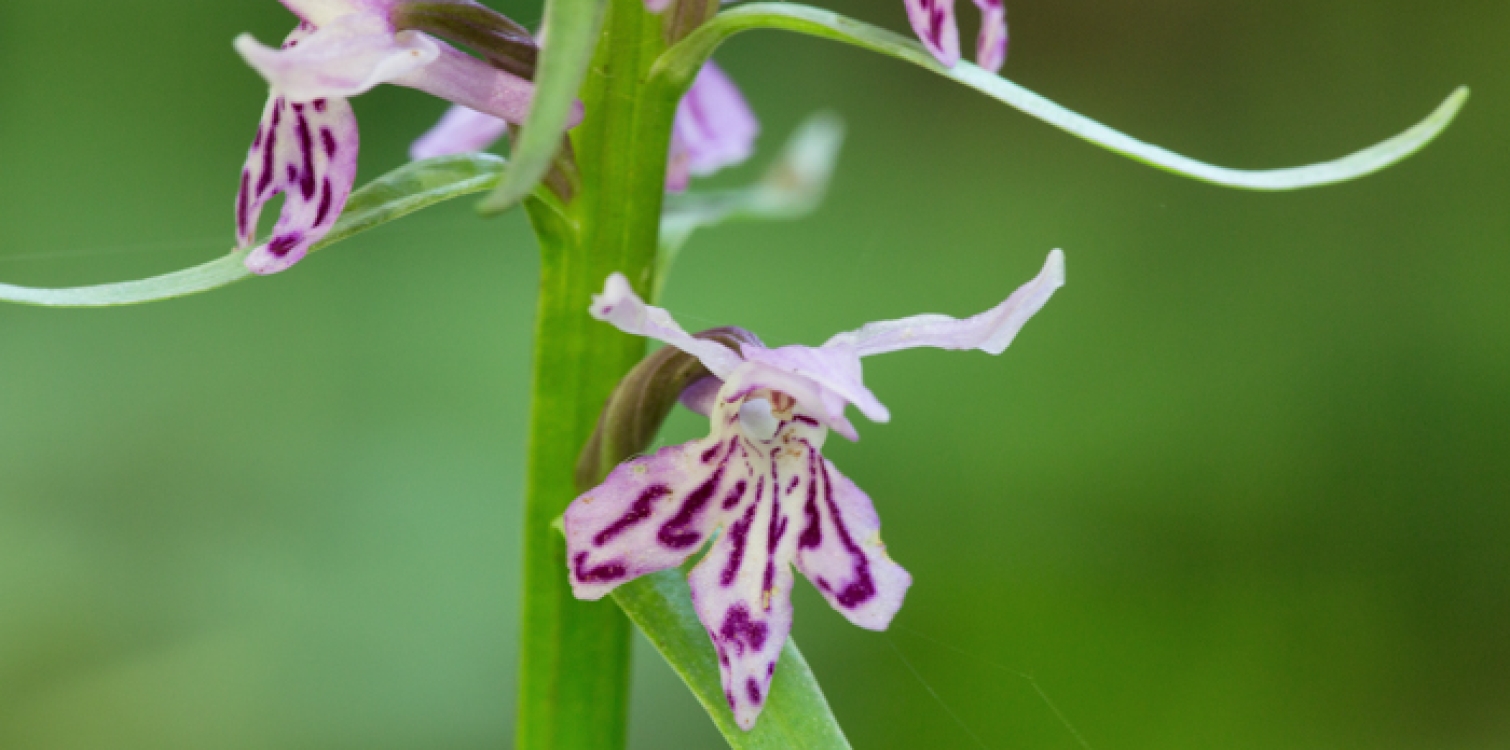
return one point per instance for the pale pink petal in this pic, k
(621, 307)
(839, 549)
(308, 152)
(991, 45)
(990, 331)
(462, 79)
(321, 12)
(714, 127)
(343, 58)
(837, 372)
(933, 21)
(460, 131)
(702, 395)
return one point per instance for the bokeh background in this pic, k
(1245, 483)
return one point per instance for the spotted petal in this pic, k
(839, 549)
(345, 57)
(933, 20)
(653, 512)
(308, 152)
(620, 306)
(990, 331)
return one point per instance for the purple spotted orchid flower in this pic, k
(759, 476)
(933, 20)
(306, 144)
(714, 128)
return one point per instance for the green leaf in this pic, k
(394, 195)
(573, 28)
(682, 62)
(797, 716)
(792, 188)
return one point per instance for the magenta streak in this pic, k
(792, 485)
(739, 630)
(774, 532)
(328, 139)
(753, 688)
(736, 494)
(269, 147)
(674, 533)
(861, 589)
(307, 148)
(638, 512)
(803, 418)
(601, 574)
(738, 534)
(242, 204)
(812, 533)
(325, 201)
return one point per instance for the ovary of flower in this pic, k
(760, 478)
(306, 145)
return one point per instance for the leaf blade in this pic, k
(573, 26)
(682, 60)
(797, 715)
(397, 194)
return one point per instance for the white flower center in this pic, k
(757, 420)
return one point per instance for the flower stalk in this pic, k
(574, 667)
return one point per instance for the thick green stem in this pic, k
(574, 670)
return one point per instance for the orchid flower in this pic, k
(933, 20)
(714, 128)
(306, 144)
(759, 476)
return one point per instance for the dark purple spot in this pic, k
(638, 511)
(319, 105)
(812, 533)
(329, 140)
(736, 494)
(293, 173)
(269, 148)
(283, 244)
(325, 200)
(729, 696)
(242, 204)
(753, 689)
(770, 669)
(601, 574)
(307, 148)
(709, 454)
(738, 535)
(742, 631)
(936, 27)
(674, 533)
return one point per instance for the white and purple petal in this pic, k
(991, 331)
(308, 152)
(462, 130)
(840, 551)
(621, 307)
(991, 45)
(933, 21)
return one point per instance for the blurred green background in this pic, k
(1245, 483)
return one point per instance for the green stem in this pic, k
(574, 665)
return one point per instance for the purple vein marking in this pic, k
(638, 511)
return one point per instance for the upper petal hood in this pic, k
(343, 58)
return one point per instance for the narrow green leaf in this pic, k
(797, 716)
(792, 188)
(394, 195)
(573, 28)
(682, 62)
